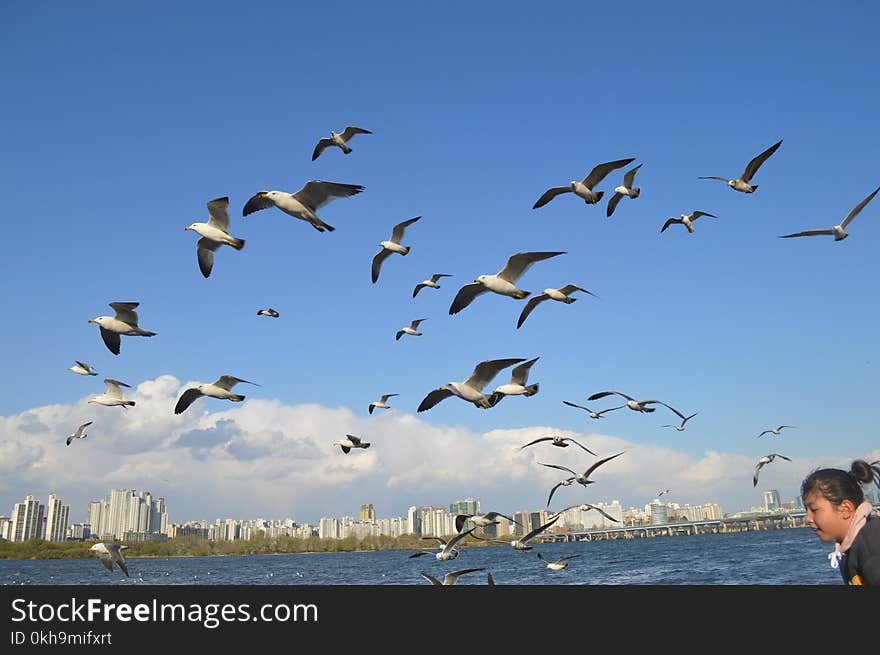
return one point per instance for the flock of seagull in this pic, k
(304, 205)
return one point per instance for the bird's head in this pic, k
(191, 226)
(95, 547)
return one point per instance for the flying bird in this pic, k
(680, 426)
(350, 442)
(838, 231)
(665, 491)
(340, 140)
(590, 411)
(480, 520)
(584, 188)
(429, 283)
(517, 385)
(580, 478)
(766, 459)
(80, 433)
(382, 403)
(214, 233)
(687, 220)
(111, 554)
(124, 322)
(82, 368)
(412, 329)
(221, 389)
(562, 295)
(743, 182)
(586, 507)
(390, 246)
(625, 189)
(268, 312)
(450, 578)
(304, 203)
(776, 431)
(522, 544)
(448, 549)
(112, 397)
(560, 564)
(503, 282)
(561, 442)
(633, 404)
(470, 389)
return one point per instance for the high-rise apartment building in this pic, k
(57, 517)
(465, 506)
(368, 513)
(771, 500)
(27, 520)
(125, 514)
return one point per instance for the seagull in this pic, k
(391, 246)
(686, 220)
(82, 368)
(80, 433)
(522, 544)
(113, 395)
(490, 580)
(584, 188)
(220, 388)
(472, 388)
(560, 564)
(125, 322)
(561, 294)
(743, 182)
(214, 234)
(665, 491)
(503, 282)
(110, 554)
(268, 312)
(450, 578)
(586, 507)
(633, 404)
(350, 442)
(680, 426)
(776, 431)
(580, 478)
(448, 549)
(838, 231)
(480, 520)
(590, 411)
(766, 459)
(412, 329)
(382, 403)
(304, 203)
(625, 189)
(517, 385)
(557, 441)
(429, 283)
(338, 139)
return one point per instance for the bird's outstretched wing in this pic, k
(557, 466)
(378, 258)
(806, 233)
(660, 402)
(532, 443)
(519, 263)
(400, 228)
(714, 177)
(756, 162)
(549, 194)
(229, 381)
(111, 340)
(351, 130)
(568, 289)
(670, 221)
(533, 302)
(599, 172)
(113, 387)
(461, 520)
(188, 398)
(787, 459)
(317, 193)
(205, 249)
(630, 176)
(699, 213)
(427, 576)
(539, 529)
(581, 445)
(218, 209)
(599, 463)
(755, 474)
(465, 296)
(602, 394)
(433, 398)
(520, 374)
(452, 577)
(855, 210)
(319, 148)
(257, 202)
(485, 371)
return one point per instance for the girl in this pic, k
(837, 511)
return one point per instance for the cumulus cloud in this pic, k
(262, 458)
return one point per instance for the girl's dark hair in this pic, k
(837, 485)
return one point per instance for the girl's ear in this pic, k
(846, 509)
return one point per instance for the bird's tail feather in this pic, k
(238, 244)
(236, 398)
(531, 390)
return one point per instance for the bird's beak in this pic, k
(91, 320)
(187, 227)
(263, 195)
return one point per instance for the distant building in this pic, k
(368, 513)
(771, 500)
(57, 516)
(659, 513)
(27, 520)
(466, 506)
(5, 526)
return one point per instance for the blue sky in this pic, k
(123, 121)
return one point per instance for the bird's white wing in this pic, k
(316, 193)
(519, 263)
(533, 302)
(351, 130)
(319, 148)
(113, 387)
(549, 194)
(520, 374)
(397, 232)
(205, 249)
(125, 312)
(756, 162)
(485, 371)
(630, 176)
(81, 429)
(465, 296)
(858, 208)
(599, 172)
(378, 258)
(219, 211)
(807, 233)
